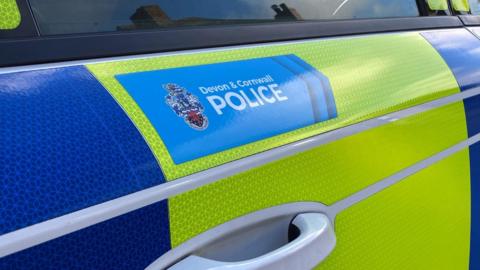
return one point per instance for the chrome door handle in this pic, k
(315, 241)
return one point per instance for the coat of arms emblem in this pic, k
(186, 105)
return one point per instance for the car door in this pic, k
(240, 134)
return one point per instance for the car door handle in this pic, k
(315, 241)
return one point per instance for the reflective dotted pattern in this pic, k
(131, 241)
(324, 174)
(9, 15)
(65, 145)
(422, 222)
(370, 76)
(459, 48)
(475, 194)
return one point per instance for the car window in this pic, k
(475, 6)
(73, 16)
(461, 7)
(438, 7)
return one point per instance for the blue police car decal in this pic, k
(230, 104)
(186, 105)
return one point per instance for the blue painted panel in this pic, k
(65, 145)
(131, 241)
(202, 110)
(475, 229)
(461, 51)
(472, 111)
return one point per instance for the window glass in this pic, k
(75, 16)
(461, 6)
(475, 6)
(438, 7)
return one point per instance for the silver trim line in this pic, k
(293, 209)
(474, 31)
(5, 70)
(39, 233)
(399, 176)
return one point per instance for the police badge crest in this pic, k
(186, 105)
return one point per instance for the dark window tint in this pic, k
(75, 16)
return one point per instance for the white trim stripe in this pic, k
(39, 233)
(399, 176)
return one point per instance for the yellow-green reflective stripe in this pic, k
(324, 174)
(9, 15)
(437, 4)
(461, 5)
(422, 222)
(370, 76)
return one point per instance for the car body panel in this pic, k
(64, 119)
(411, 225)
(407, 223)
(461, 53)
(325, 174)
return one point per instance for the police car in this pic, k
(241, 134)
